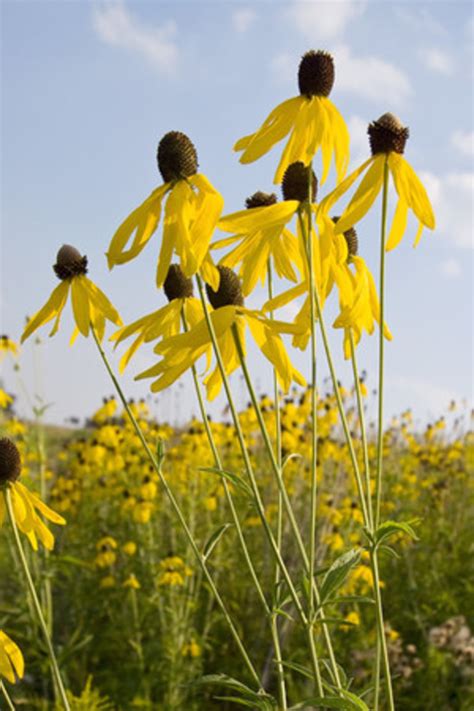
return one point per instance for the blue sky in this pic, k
(88, 89)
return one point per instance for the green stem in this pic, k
(6, 696)
(279, 532)
(36, 602)
(383, 228)
(363, 430)
(177, 510)
(289, 510)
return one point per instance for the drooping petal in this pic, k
(80, 305)
(399, 225)
(274, 128)
(54, 305)
(101, 302)
(144, 220)
(258, 218)
(326, 205)
(207, 216)
(179, 212)
(364, 196)
(411, 190)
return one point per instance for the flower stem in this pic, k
(6, 696)
(383, 228)
(36, 602)
(177, 510)
(279, 532)
(289, 510)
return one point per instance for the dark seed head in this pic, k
(260, 199)
(387, 134)
(69, 262)
(177, 285)
(316, 74)
(229, 291)
(295, 183)
(176, 156)
(351, 238)
(10, 461)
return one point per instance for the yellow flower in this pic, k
(25, 504)
(362, 309)
(129, 548)
(164, 322)
(174, 571)
(5, 399)
(182, 351)
(7, 346)
(387, 139)
(131, 582)
(312, 118)
(107, 582)
(89, 303)
(11, 659)
(353, 618)
(261, 234)
(192, 209)
(191, 649)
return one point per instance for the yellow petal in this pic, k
(399, 225)
(411, 190)
(101, 302)
(364, 196)
(326, 205)
(274, 128)
(54, 304)
(80, 305)
(258, 218)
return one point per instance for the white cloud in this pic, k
(437, 60)
(452, 197)
(116, 26)
(325, 20)
(243, 18)
(371, 78)
(360, 149)
(450, 269)
(464, 142)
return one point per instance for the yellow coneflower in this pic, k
(25, 504)
(182, 351)
(166, 321)
(90, 305)
(5, 399)
(387, 141)
(312, 118)
(174, 571)
(12, 665)
(192, 209)
(7, 346)
(261, 234)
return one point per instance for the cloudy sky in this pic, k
(88, 89)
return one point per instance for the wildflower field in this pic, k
(305, 552)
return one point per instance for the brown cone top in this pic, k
(229, 292)
(176, 156)
(10, 461)
(295, 183)
(351, 238)
(176, 284)
(316, 74)
(387, 134)
(260, 199)
(69, 262)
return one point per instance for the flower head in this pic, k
(387, 137)
(311, 119)
(166, 321)
(192, 209)
(12, 665)
(26, 505)
(7, 346)
(180, 352)
(90, 305)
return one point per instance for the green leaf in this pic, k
(348, 702)
(338, 572)
(214, 539)
(391, 528)
(360, 599)
(227, 681)
(234, 479)
(304, 671)
(160, 451)
(281, 612)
